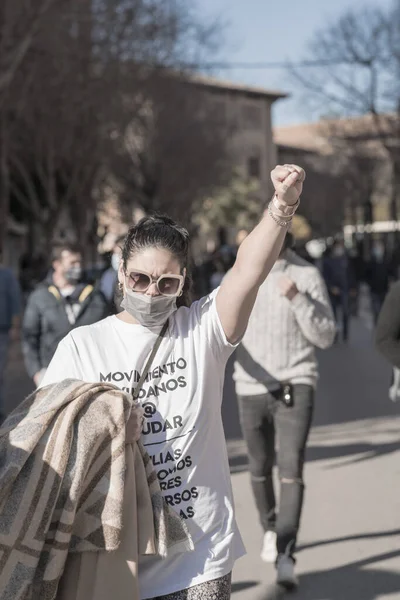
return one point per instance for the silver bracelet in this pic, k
(278, 219)
(284, 210)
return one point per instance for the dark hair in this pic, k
(160, 231)
(58, 250)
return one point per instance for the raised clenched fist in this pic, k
(288, 183)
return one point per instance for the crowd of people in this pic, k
(265, 302)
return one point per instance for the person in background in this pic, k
(109, 280)
(58, 305)
(378, 276)
(357, 265)
(10, 309)
(341, 283)
(275, 376)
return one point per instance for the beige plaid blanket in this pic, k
(63, 467)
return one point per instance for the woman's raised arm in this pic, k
(258, 253)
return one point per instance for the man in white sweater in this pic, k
(276, 374)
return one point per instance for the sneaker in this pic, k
(286, 577)
(268, 552)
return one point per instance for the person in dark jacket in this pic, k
(58, 305)
(378, 276)
(341, 283)
(10, 307)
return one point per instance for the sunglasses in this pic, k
(167, 285)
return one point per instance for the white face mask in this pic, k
(115, 261)
(73, 275)
(150, 311)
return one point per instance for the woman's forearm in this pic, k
(262, 247)
(259, 251)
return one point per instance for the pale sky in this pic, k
(271, 31)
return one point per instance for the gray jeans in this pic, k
(265, 418)
(4, 344)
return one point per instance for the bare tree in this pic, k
(359, 58)
(56, 143)
(20, 23)
(175, 153)
(356, 70)
(86, 76)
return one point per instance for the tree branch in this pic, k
(12, 63)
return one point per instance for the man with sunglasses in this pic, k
(275, 376)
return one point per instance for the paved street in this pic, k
(350, 536)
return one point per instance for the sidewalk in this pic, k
(350, 533)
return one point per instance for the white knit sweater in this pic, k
(279, 345)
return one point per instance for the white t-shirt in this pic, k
(183, 432)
